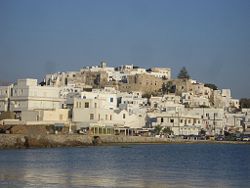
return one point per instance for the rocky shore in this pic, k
(77, 140)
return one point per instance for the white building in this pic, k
(213, 119)
(102, 107)
(164, 73)
(108, 95)
(179, 123)
(194, 101)
(101, 68)
(27, 95)
(246, 120)
(222, 99)
(68, 93)
(166, 103)
(60, 79)
(5, 93)
(135, 71)
(234, 121)
(191, 120)
(45, 116)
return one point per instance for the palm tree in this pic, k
(157, 129)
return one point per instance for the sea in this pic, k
(142, 165)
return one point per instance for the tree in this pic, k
(202, 132)
(42, 83)
(157, 129)
(211, 86)
(168, 87)
(146, 95)
(183, 74)
(167, 130)
(245, 103)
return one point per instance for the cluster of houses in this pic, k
(125, 100)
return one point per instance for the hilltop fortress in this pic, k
(126, 100)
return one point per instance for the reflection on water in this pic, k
(138, 166)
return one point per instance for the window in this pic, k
(171, 120)
(95, 105)
(99, 116)
(110, 117)
(106, 117)
(162, 120)
(91, 117)
(111, 99)
(181, 120)
(86, 105)
(124, 116)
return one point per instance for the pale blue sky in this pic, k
(210, 37)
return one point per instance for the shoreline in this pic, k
(22, 141)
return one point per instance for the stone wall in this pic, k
(67, 140)
(143, 83)
(41, 141)
(73, 140)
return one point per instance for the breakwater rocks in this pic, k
(74, 140)
(43, 141)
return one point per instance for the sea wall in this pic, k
(73, 140)
(52, 140)
(34, 141)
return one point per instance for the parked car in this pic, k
(246, 139)
(82, 131)
(239, 138)
(2, 131)
(220, 138)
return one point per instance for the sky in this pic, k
(211, 38)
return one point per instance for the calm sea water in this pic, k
(133, 166)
